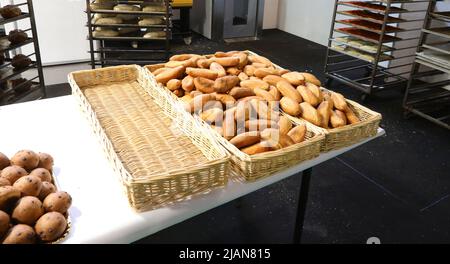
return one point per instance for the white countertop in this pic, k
(100, 212)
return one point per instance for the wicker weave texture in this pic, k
(158, 162)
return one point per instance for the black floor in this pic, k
(395, 188)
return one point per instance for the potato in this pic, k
(4, 182)
(4, 161)
(45, 161)
(43, 174)
(47, 188)
(51, 226)
(58, 202)
(29, 185)
(28, 210)
(8, 196)
(20, 234)
(4, 224)
(13, 173)
(26, 159)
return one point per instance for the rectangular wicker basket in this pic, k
(345, 136)
(159, 157)
(254, 167)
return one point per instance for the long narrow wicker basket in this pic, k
(247, 167)
(157, 163)
(345, 136)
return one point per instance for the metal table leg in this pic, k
(301, 207)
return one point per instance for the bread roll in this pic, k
(155, 7)
(151, 21)
(108, 21)
(105, 33)
(155, 34)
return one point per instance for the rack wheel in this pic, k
(364, 97)
(187, 40)
(328, 81)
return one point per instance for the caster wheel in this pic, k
(187, 40)
(364, 98)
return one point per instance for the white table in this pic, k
(100, 212)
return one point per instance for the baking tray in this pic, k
(367, 35)
(348, 43)
(373, 7)
(369, 26)
(440, 47)
(369, 16)
(440, 31)
(441, 15)
(382, 58)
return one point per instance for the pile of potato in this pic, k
(237, 76)
(31, 208)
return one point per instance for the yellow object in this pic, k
(182, 3)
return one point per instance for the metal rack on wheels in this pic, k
(20, 84)
(428, 91)
(372, 43)
(131, 47)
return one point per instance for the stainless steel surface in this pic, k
(237, 19)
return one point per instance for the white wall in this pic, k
(270, 19)
(306, 18)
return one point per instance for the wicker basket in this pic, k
(345, 136)
(160, 158)
(246, 167)
(337, 138)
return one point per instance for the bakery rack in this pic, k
(371, 43)
(428, 91)
(33, 87)
(130, 48)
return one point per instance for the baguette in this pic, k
(205, 73)
(277, 139)
(259, 124)
(173, 84)
(242, 76)
(226, 83)
(275, 93)
(315, 90)
(286, 89)
(226, 61)
(324, 111)
(263, 72)
(181, 57)
(311, 78)
(169, 74)
(246, 139)
(307, 95)
(158, 71)
(188, 83)
(273, 79)
(290, 107)
(263, 111)
(339, 101)
(257, 148)
(204, 85)
(342, 116)
(294, 78)
(310, 114)
(225, 99)
(229, 124)
(233, 71)
(252, 84)
(264, 94)
(198, 102)
(351, 116)
(285, 125)
(212, 116)
(241, 92)
(218, 68)
(249, 70)
(336, 120)
(260, 59)
(298, 133)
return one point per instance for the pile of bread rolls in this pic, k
(225, 92)
(237, 76)
(32, 210)
(133, 19)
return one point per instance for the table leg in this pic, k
(301, 207)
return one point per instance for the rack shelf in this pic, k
(120, 49)
(365, 48)
(430, 98)
(8, 73)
